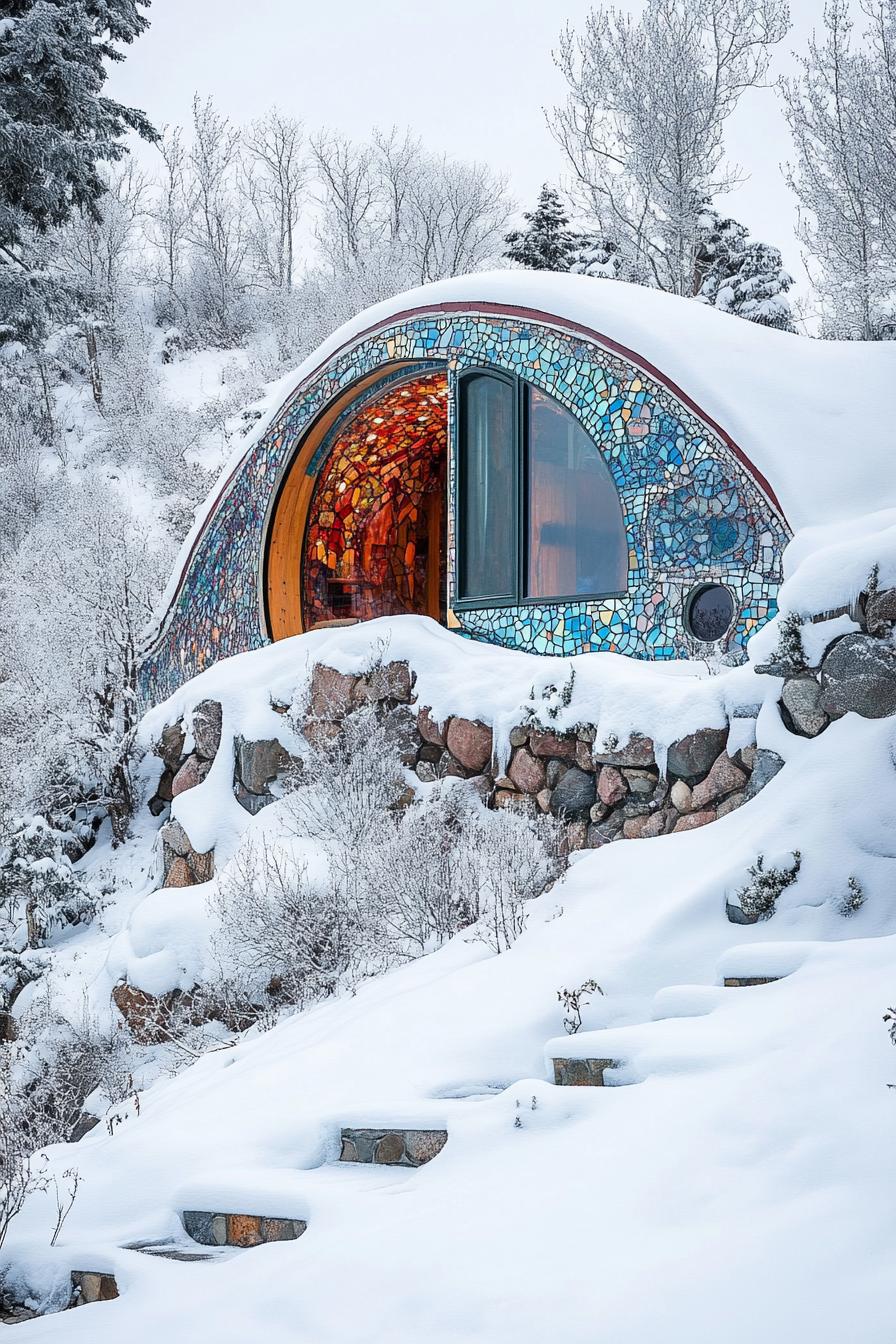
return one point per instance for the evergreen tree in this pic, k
(56, 127)
(738, 275)
(546, 244)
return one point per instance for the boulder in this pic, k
(680, 796)
(544, 800)
(583, 758)
(170, 745)
(730, 804)
(252, 802)
(660, 823)
(880, 612)
(637, 751)
(145, 1014)
(192, 772)
(390, 681)
(766, 765)
(517, 802)
(692, 757)
(470, 743)
(331, 692)
(634, 827)
(610, 828)
(576, 836)
(574, 795)
(694, 819)
(519, 736)
(526, 771)
(725, 777)
(858, 675)
(611, 785)
(257, 763)
(801, 698)
(207, 728)
(545, 743)
(555, 772)
(175, 838)
(436, 734)
(179, 874)
(641, 782)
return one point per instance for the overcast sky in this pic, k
(472, 77)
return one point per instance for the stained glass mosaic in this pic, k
(693, 512)
(375, 520)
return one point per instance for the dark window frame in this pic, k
(520, 498)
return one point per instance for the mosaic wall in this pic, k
(692, 511)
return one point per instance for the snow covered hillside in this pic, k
(733, 1174)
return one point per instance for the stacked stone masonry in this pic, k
(392, 1147)
(582, 1072)
(89, 1286)
(612, 792)
(240, 1229)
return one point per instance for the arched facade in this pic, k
(526, 480)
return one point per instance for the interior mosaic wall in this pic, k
(693, 512)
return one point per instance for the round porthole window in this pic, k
(708, 613)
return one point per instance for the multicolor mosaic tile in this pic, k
(693, 512)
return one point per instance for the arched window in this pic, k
(487, 488)
(575, 540)
(539, 517)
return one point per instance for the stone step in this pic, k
(746, 981)
(169, 1250)
(392, 1147)
(92, 1286)
(582, 1072)
(239, 1229)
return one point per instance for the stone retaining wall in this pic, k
(616, 792)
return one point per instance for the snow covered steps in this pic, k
(746, 981)
(169, 1250)
(582, 1072)
(91, 1286)
(392, 1147)
(239, 1229)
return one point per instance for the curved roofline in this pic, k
(446, 307)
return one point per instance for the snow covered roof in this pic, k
(814, 417)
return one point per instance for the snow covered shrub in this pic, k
(39, 889)
(349, 781)
(518, 857)
(573, 1001)
(21, 1171)
(854, 898)
(424, 877)
(760, 895)
(789, 657)
(58, 1064)
(282, 935)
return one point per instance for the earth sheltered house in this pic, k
(506, 454)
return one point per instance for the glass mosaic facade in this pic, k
(693, 510)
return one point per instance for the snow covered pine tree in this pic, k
(547, 244)
(55, 127)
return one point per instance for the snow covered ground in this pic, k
(737, 1178)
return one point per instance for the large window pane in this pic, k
(576, 536)
(487, 532)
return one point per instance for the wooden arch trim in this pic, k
(284, 534)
